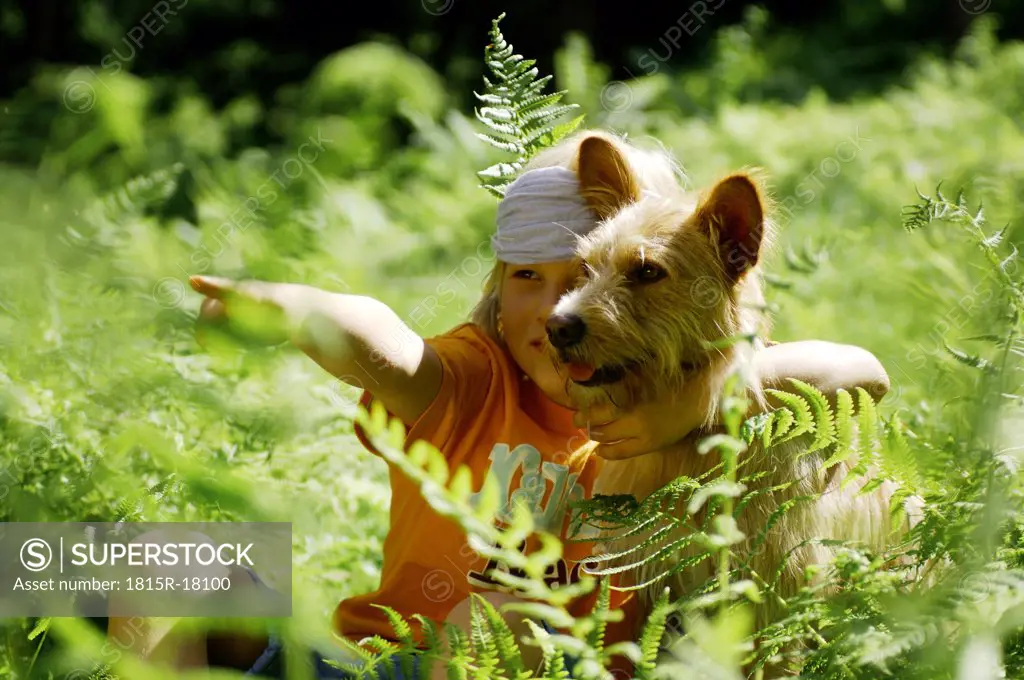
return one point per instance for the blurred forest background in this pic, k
(235, 47)
(334, 144)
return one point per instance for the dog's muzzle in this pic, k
(604, 376)
(565, 330)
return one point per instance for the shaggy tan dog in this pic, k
(664, 274)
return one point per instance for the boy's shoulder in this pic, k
(468, 331)
(475, 379)
(468, 343)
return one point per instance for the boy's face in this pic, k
(528, 294)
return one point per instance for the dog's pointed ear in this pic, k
(607, 183)
(734, 212)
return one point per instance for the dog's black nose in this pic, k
(565, 330)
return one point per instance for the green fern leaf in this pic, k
(995, 239)
(972, 360)
(595, 637)
(499, 171)
(844, 426)
(897, 460)
(764, 491)
(803, 419)
(403, 632)
(434, 645)
(867, 437)
(42, 625)
(503, 641)
(381, 646)
(650, 638)
(484, 647)
(511, 147)
(554, 659)
(459, 645)
(821, 412)
(520, 119)
(757, 427)
(897, 509)
(782, 421)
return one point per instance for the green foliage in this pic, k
(521, 120)
(650, 638)
(108, 409)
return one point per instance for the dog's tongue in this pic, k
(580, 372)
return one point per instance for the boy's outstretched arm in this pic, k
(358, 339)
(653, 426)
(829, 366)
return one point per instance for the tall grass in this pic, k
(109, 410)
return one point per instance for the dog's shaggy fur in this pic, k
(664, 273)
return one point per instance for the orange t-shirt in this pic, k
(477, 419)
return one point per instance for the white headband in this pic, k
(541, 217)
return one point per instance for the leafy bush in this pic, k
(109, 410)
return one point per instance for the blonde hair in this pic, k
(485, 313)
(656, 170)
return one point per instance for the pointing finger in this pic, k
(212, 286)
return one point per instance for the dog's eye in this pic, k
(648, 272)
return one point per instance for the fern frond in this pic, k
(554, 658)
(520, 119)
(595, 637)
(897, 461)
(1010, 259)
(503, 640)
(407, 650)
(867, 437)
(403, 631)
(763, 491)
(381, 645)
(824, 422)
(434, 645)
(484, 647)
(657, 535)
(460, 657)
(897, 510)
(972, 360)
(957, 212)
(844, 427)
(650, 638)
(996, 239)
(803, 419)
(662, 553)
(758, 427)
(42, 625)
(128, 510)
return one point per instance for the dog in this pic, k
(662, 275)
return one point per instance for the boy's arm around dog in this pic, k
(828, 366)
(653, 426)
(356, 338)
